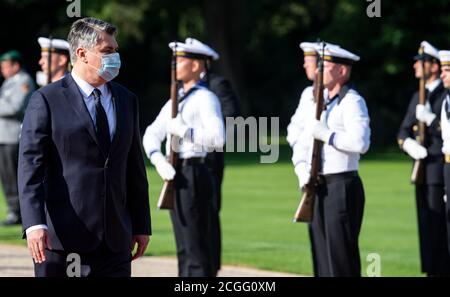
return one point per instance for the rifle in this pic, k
(167, 195)
(49, 62)
(305, 209)
(417, 175)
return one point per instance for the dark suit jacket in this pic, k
(67, 182)
(433, 140)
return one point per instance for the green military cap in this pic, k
(12, 56)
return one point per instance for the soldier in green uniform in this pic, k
(14, 93)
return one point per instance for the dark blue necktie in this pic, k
(101, 120)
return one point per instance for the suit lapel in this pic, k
(117, 108)
(75, 100)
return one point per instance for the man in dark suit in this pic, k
(82, 182)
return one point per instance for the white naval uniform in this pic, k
(201, 113)
(340, 198)
(348, 118)
(297, 124)
(445, 126)
(193, 208)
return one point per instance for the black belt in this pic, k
(191, 161)
(329, 178)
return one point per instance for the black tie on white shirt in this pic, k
(102, 122)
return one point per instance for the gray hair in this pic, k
(86, 33)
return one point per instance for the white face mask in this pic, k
(110, 66)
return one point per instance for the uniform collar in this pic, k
(15, 76)
(199, 85)
(433, 85)
(344, 90)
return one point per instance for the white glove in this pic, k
(177, 127)
(319, 130)
(302, 174)
(424, 114)
(164, 168)
(414, 149)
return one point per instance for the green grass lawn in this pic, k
(259, 201)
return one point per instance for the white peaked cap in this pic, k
(429, 49)
(309, 48)
(193, 46)
(56, 44)
(444, 57)
(337, 54)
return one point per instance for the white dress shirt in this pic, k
(108, 105)
(106, 100)
(445, 126)
(433, 85)
(297, 124)
(348, 119)
(201, 112)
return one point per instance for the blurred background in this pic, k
(258, 41)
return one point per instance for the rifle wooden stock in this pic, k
(167, 195)
(417, 175)
(305, 209)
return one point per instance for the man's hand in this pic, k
(302, 174)
(319, 130)
(38, 241)
(424, 114)
(142, 242)
(164, 168)
(414, 149)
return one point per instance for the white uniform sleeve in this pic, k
(356, 135)
(211, 132)
(297, 124)
(156, 133)
(297, 138)
(445, 129)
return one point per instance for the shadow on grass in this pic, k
(285, 154)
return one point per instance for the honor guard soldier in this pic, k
(14, 94)
(445, 123)
(297, 124)
(199, 125)
(434, 255)
(345, 133)
(58, 49)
